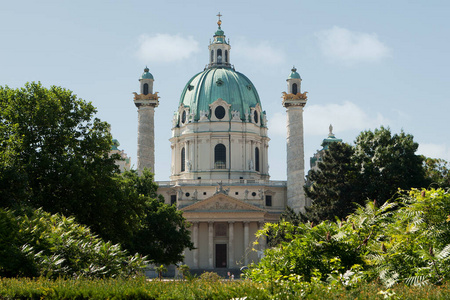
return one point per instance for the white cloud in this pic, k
(351, 47)
(343, 117)
(435, 151)
(261, 52)
(165, 47)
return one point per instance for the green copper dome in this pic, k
(294, 74)
(146, 74)
(214, 83)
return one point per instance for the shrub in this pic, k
(210, 276)
(36, 243)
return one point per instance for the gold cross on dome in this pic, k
(219, 15)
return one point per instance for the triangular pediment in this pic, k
(221, 203)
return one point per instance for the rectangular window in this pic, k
(268, 200)
(173, 199)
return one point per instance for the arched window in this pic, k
(219, 56)
(183, 160)
(183, 117)
(145, 88)
(255, 117)
(226, 56)
(220, 156)
(212, 55)
(257, 159)
(294, 88)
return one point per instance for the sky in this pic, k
(365, 64)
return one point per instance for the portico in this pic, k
(223, 232)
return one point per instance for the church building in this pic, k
(220, 170)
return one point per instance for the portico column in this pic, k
(230, 244)
(246, 225)
(195, 240)
(211, 244)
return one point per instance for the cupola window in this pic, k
(145, 89)
(294, 89)
(212, 56)
(183, 117)
(220, 156)
(219, 56)
(257, 159)
(219, 112)
(255, 117)
(183, 160)
(226, 56)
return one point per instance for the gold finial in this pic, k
(219, 22)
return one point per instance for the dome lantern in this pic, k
(219, 49)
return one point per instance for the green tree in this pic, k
(55, 155)
(162, 232)
(438, 172)
(58, 153)
(334, 189)
(387, 163)
(375, 168)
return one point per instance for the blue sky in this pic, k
(363, 63)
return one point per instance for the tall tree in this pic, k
(54, 154)
(375, 168)
(162, 232)
(333, 191)
(387, 163)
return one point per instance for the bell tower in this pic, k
(146, 102)
(295, 101)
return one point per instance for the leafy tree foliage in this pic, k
(402, 241)
(438, 172)
(58, 153)
(36, 243)
(375, 168)
(163, 232)
(387, 163)
(55, 155)
(335, 187)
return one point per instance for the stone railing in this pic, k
(225, 182)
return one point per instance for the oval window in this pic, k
(255, 117)
(183, 117)
(219, 112)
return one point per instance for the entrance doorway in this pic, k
(221, 255)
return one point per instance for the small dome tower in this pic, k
(294, 82)
(146, 82)
(219, 49)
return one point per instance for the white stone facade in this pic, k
(220, 170)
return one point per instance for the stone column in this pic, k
(211, 245)
(246, 238)
(146, 134)
(195, 241)
(230, 244)
(295, 154)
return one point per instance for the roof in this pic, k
(206, 87)
(146, 74)
(294, 74)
